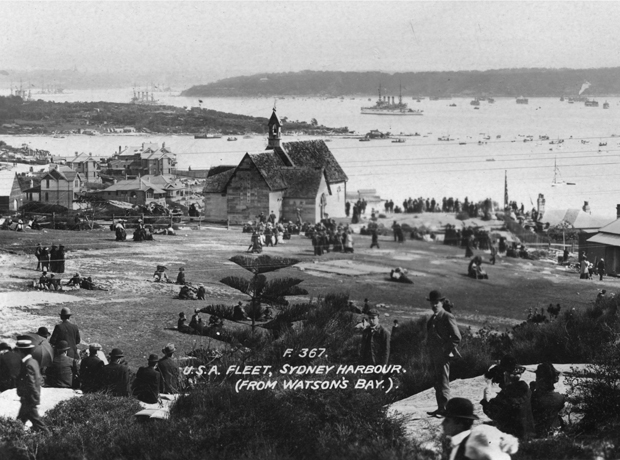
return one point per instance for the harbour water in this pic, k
(485, 144)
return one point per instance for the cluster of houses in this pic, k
(136, 175)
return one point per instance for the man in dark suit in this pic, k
(29, 387)
(443, 336)
(10, 365)
(146, 385)
(169, 370)
(66, 331)
(115, 377)
(90, 370)
(63, 369)
(375, 348)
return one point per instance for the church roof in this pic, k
(269, 165)
(217, 182)
(219, 169)
(274, 118)
(315, 154)
(302, 182)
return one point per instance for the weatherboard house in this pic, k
(286, 176)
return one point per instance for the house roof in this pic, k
(576, 218)
(314, 154)
(24, 182)
(605, 238)
(60, 172)
(219, 169)
(217, 183)
(613, 227)
(269, 164)
(82, 157)
(134, 184)
(6, 182)
(302, 182)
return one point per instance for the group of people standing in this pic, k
(518, 411)
(359, 208)
(28, 369)
(50, 260)
(587, 269)
(327, 236)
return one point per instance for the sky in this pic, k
(222, 39)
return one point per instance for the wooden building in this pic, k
(605, 244)
(285, 178)
(61, 185)
(11, 195)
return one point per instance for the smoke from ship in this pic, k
(585, 86)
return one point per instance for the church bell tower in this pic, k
(275, 131)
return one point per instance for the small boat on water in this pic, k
(474, 102)
(247, 136)
(365, 139)
(398, 140)
(562, 99)
(592, 103)
(452, 105)
(208, 136)
(606, 105)
(230, 139)
(490, 100)
(444, 138)
(522, 100)
(476, 108)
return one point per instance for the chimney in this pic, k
(31, 183)
(586, 207)
(76, 154)
(163, 145)
(618, 211)
(119, 149)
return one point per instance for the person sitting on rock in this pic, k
(75, 280)
(200, 294)
(187, 293)
(181, 276)
(196, 323)
(546, 403)
(160, 275)
(511, 408)
(475, 269)
(181, 323)
(400, 275)
(53, 283)
(43, 281)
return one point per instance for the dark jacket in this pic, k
(375, 347)
(10, 366)
(181, 278)
(60, 373)
(69, 332)
(90, 374)
(29, 383)
(546, 407)
(115, 378)
(511, 410)
(443, 333)
(169, 371)
(146, 385)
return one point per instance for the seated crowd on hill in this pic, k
(93, 372)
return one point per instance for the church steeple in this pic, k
(275, 131)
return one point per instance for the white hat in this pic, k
(24, 344)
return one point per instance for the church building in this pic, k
(283, 178)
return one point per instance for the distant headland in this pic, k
(538, 82)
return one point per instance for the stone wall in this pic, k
(215, 206)
(247, 194)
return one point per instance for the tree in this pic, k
(259, 289)
(313, 122)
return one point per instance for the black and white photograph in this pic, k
(298, 230)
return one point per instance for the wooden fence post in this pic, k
(53, 220)
(227, 223)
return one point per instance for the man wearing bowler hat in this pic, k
(115, 377)
(66, 331)
(29, 386)
(375, 347)
(146, 384)
(63, 369)
(443, 336)
(169, 370)
(90, 369)
(482, 441)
